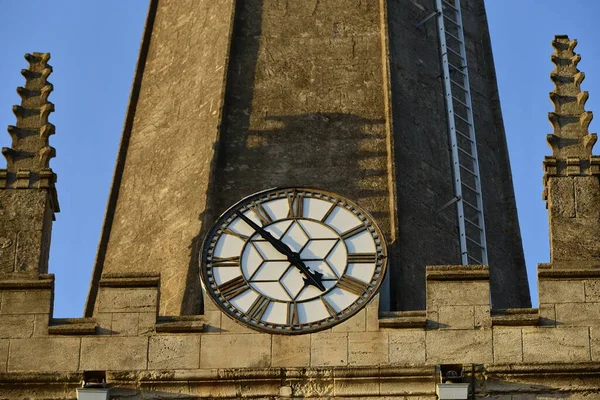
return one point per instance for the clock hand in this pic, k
(312, 277)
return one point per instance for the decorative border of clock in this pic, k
(293, 260)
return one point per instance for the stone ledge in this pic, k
(180, 324)
(457, 272)
(569, 270)
(72, 326)
(403, 319)
(41, 377)
(200, 375)
(549, 368)
(515, 317)
(42, 281)
(130, 280)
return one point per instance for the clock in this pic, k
(293, 260)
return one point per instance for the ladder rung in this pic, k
(463, 119)
(454, 67)
(470, 205)
(453, 37)
(463, 135)
(475, 243)
(451, 20)
(469, 171)
(449, 5)
(474, 259)
(472, 189)
(466, 153)
(459, 85)
(454, 51)
(473, 223)
(461, 103)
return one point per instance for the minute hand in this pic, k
(312, 278)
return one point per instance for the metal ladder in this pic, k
(461, 131)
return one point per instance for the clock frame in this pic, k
(258, 287)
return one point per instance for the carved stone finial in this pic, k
(30, 149)
(569, 118)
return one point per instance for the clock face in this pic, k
(293, 260)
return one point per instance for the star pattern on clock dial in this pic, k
(293, 260)
(269, 272)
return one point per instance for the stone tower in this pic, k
(230, 97)
(341, 95)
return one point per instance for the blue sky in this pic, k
(94, 47)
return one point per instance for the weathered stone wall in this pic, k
(428, 236)
(298, 93)
(517, 352)
(159, 193)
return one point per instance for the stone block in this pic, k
(592, 290)
(580, 314)
(508, 346)
(107, 353)
(595, 343)
(561, 197)
(40, 326)
(352, 387)
(228, 325)
(457, 293)
(367, 348)
(405, 386)
(104, 322)
(16, 326)
(483, 318)
(561, 291)
(127, 300)
(174, 352)
(146, 323)
(212, 321)
(8, 241)
(547, 315)
(355, 324)
(544, 345)
(587, 192)
(329, 349)
(372, 316)
(459, 346)
(26, 301)
(3, 354)
(407, 346)
(456, 317)
(44, 354)
(235, 351)
(125, 324)
(291, 351)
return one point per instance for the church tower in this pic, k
(347, 154)
(231, 98)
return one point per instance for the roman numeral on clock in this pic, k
(330, 309)
(293, 318)
(364, 258)
(234, 287)
(261, 213)
(226, 261)
(353, 231)
(258, 308)
(236, 234)
(352, 285)
(296, 203)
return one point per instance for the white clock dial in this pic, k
(293, 260)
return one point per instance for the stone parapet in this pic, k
(396, 356)
(458, 297)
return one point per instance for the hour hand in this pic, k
(311, 277)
